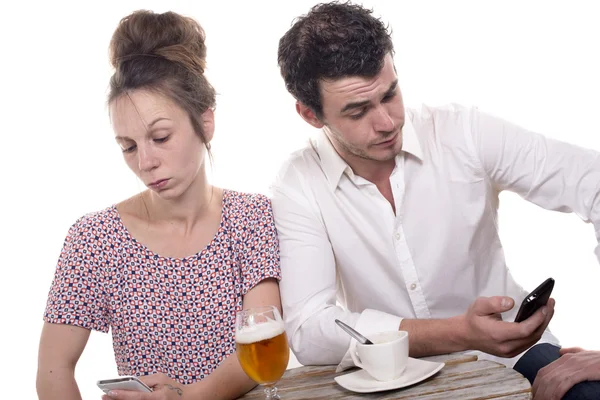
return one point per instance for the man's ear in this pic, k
(207, 120)
(308, 115)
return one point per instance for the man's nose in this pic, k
(383, 120)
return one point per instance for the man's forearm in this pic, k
(429, 337)
(57, 384)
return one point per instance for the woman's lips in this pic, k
(159, 184)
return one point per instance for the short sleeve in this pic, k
(77, 295)
(260, 246)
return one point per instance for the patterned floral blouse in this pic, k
(169, 315)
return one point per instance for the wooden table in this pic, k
(464, 377)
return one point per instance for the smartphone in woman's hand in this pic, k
(123, 383)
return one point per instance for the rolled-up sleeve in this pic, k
(552, 174)
(308, 285)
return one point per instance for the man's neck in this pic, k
(376, 172)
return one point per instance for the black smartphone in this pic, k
(535, 300)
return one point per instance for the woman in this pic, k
(167, 269)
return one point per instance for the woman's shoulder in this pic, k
(98, 223)
(242, 209)
(246, 202)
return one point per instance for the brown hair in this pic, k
(163, 53)
(334, 40)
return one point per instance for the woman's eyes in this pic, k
(162, 139)
(129, 149)
(132, 148)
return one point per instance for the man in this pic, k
(392, 212)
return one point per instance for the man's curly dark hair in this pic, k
(334, 40)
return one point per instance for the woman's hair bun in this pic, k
(169, 35)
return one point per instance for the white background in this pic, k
(534, 63)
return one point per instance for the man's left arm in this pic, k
(552, 174)
(556, 176)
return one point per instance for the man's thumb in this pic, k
(493, 305)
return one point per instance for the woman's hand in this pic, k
(163, 388)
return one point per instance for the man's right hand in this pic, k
(486, 331)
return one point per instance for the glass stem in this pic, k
(271, 393)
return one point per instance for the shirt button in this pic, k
(398, 236)
(413, 286)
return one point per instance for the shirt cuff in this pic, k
(370, 321)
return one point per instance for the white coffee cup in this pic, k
(386, 359)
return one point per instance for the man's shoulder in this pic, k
(299, 165)
(446, 124)
(428, 112)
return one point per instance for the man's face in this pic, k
(363, 117)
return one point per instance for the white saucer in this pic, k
(416, 371)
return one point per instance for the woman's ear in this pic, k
(207, 120)
(308, 115)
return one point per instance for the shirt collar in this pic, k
(410, 140)
(334, 166)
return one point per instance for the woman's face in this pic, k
(158, 141)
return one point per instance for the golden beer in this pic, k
(263, 351)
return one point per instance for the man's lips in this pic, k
(388, 141)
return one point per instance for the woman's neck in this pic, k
(188, 209)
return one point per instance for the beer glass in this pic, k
(261, 346)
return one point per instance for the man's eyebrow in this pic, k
(392, 88)
(354, 105)
(360, 104)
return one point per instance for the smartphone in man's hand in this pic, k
(535, 300)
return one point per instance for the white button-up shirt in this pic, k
(345, 254)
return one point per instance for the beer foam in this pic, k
(258, 332)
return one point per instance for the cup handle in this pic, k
(355, 358)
